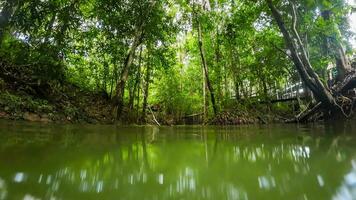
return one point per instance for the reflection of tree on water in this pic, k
(145, 164)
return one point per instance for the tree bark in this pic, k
(137, 81)
(301, 61)
(205, 68)
(342, 64)
(145, 92)
(120, 86)
(235, 63)
(218, 68)
(120, 89)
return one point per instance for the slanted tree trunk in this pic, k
(332, 101)
(204, 5)
(300, 59)
(120, 86)
(205, 68)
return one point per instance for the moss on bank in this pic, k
(24, 95)
(25, 107)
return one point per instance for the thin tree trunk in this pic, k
(131, 97)
(120, 86)
(205, 67)
(138, 99)
(113, 79)
(205, 110)
(137, 81)
(234, 67)
(218, 68)
(106, 74)
(120, 89)
(237, 90)
(146, 90)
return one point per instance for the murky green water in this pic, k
(107, 162)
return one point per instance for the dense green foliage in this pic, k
(90, 44)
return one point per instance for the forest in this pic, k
(177, 61)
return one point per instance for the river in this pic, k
(39, 161)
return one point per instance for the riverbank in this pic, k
(61, 102)
(76, 106)
(24, 95)
(27, 95)
(88, 108)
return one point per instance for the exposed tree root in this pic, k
(344, 101)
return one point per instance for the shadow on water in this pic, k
(248, 162)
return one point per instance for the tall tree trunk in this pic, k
(131, 97)
(237, 90)
(218, 66)
(120, 86)
(342, 64)
(300, 59)
(106, 75)
(137, 81)
(146, 90)
(120, 89)
(114, 79)
(234, 67)
(205, 106)
(225, 82)
(205, 68)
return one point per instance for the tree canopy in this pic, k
(181, 57)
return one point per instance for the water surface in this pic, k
(107, 162)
